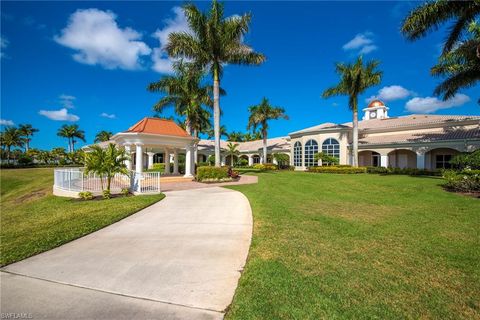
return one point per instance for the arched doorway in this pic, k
(368, 158)
(439, 158)
(256, 158)
(402, 158)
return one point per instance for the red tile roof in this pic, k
(158, 126)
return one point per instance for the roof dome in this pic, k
(375, 103)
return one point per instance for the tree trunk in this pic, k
(216, 116)
(264, 146)
(27, 144)
(73, 145)
(355, 138)
(8, 154)
(195, 147)
(109, 181)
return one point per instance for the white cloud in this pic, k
(98, 39)
(362, 42)
(3, 44)
(432, 104)
(161, 62)
(59, 115)
(391, 93)
(67, 101)
(109, 116)
(4, 122)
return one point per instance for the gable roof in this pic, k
(276, 144)
(158, 126)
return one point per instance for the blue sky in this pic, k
(89, 63)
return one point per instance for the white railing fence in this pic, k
(76, 180)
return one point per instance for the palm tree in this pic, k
(259, 117)
(235, 136)
(27, 131)
(232, 151)
(103, 136)
(432, 14)
(460, 66)
(106, 163)
(214, 42)
(354, 80)
(71, 132)
(11, 137)
(223, 132)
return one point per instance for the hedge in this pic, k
(266, 166)
(335, 169)
(212, 173)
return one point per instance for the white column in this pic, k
(188, 161)
(175, 161)
(222, 160)
(384, 161)
(139, 158)
(128, 152)
(150, 160)
(250, 160)
(420, 160)
(166, 159)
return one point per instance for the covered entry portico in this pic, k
(151, 136)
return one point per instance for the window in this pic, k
(311, 148)
(442, 161)
(297, 154)
(331, 147)
(256, 159)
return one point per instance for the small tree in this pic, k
(326, 159)
(106, 163)
(232, 151)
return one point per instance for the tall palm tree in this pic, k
(259, 117)
(103, 136)
(71, 132)
(11, 137)
(235, 136)
(354, 80)
(183, 91)
(461, 66)
(27, 131)
(214, 42)
(432, 14)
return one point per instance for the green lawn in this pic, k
(329, 246)
(33, 220)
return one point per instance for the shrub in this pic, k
(85, 195)
(335, 169)
(467, 160)
(241, 162)
(326, 159)
(106, 194)
(160, 167)
(413, 172)
(203, 164)
(381, 170)
(212, 173)
(25, 160)
(461, 181)
(233, 174)
(264, 167)
(125, 192)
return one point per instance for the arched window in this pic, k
(331, 147)
(311, 148)
(297, 154)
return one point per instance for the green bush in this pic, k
(159, 167)
(326, 159)
(106, 194)
(212, 173)
(203, 164)
(413, 172)
(381, 170)
(25, 160)
(335, 169)
(467, 160)
(461, 181)
(85, 195)
(265, 167)
(125, 192)
(241, 162)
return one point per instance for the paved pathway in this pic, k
(186, 185)
(178, 259)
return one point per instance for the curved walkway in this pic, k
(177, 259)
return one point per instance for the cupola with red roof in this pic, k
(376, 109)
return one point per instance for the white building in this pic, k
(413, 141)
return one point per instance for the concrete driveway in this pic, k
(178, 259)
